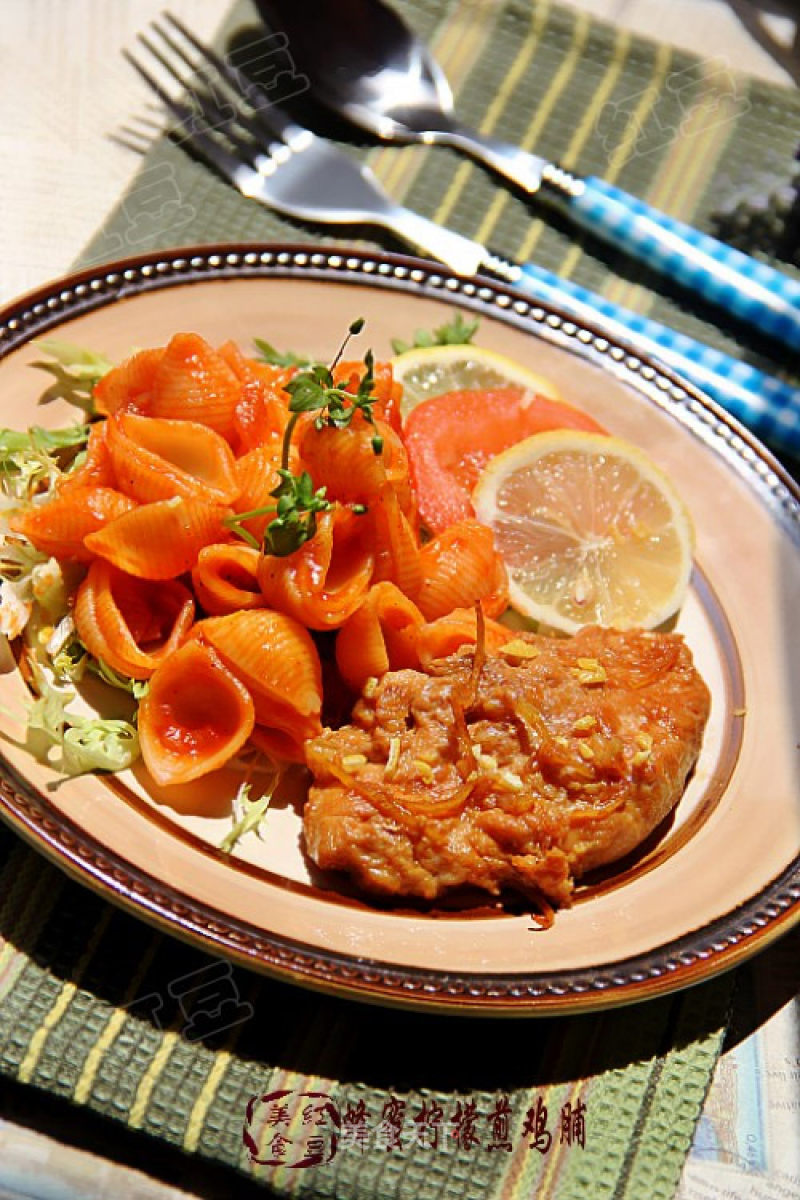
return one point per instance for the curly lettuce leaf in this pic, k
(75, 370)
(71, 661)
(99, 745)
(27, 473)
(28, 577)
(86, 743)
(248, 814)
(33, 461)
(41, 440)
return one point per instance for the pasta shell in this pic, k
(160, 540)
(276, 744)
(323, 582)
(96, 470)
(459, 568)
(262, 412)
(194, 383)
(386, 391)
(277, 661)
(194, 717)
(242, 367)
(247, 369)
(260, 417)
(155, 459)
(256, 477)
(129, 385)
(446, 635)
(131, 624)
(397, 549)
(61, 525)
(379, 637)
(225, 578)
(344, 462)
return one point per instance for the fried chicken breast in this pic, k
(523, 770)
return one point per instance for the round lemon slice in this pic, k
(591, 531)
(434, 370)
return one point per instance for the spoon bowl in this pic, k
(368, 66)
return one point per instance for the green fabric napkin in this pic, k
(98, 1009)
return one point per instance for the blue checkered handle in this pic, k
(741, 285)
(769, 407)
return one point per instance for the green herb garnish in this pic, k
(298, 502)
(276, 358)
(457, 332)
(297, 508)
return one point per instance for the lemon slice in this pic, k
(591, 531)
(433, 370)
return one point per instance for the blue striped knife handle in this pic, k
(769, 407)
(741, 285)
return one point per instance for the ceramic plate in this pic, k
(720, 880)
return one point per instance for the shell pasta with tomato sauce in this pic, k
(251, 548)
(167, 514)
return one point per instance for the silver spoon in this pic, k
(366, 64)
(363, 62)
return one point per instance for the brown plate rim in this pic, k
(696, 956)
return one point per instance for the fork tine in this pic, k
(225, 115)
(277, 123)
(178, 110)
(181, 52)
(229, 166)
(132, 139)
(169, 67)
(205, 105)
(173, 43)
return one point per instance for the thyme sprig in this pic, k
(297, 508)
(314, 390)
(311, 390)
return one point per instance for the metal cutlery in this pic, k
(364, 62)
(272, 159)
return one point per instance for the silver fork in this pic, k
(270, 158)
(279, 162)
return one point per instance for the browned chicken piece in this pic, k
(525, 770)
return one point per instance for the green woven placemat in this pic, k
(98, 1009)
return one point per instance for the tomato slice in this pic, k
(450, 439)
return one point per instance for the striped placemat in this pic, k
(101, 1011)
